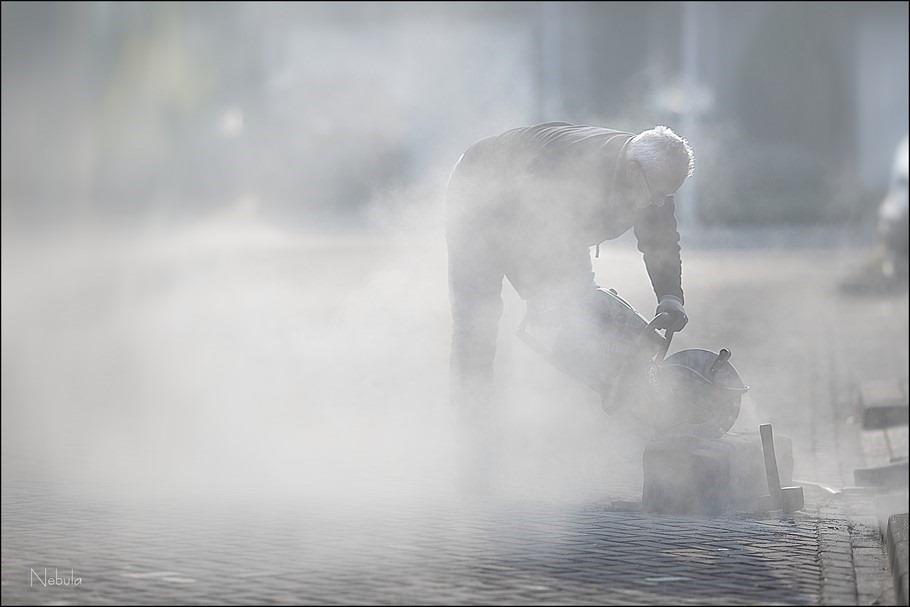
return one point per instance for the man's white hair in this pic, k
(665, 157)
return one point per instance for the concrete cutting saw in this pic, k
(607, 345)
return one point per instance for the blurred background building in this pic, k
(302, 114)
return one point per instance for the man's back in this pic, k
(538, 197)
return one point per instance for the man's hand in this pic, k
(675, 318)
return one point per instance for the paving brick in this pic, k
(580, 555)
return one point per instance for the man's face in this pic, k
(634, 188)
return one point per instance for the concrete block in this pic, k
(882, 392)
(889, 476)
(689, 475)
(884, 404)
(886, 505)
(882, 417)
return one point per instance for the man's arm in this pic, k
(658, 240)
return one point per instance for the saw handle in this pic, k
(722, 357)
(667, 338)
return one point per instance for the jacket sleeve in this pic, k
(658, 240)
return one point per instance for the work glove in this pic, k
(676, 317)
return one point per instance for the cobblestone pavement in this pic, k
(800, 344)
(514, 554)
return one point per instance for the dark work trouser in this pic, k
(480, 254)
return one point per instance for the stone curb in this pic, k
(897, 541)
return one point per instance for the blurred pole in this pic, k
(687, 198)
(549, 77)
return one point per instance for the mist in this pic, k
(225, 280)
(227, 333)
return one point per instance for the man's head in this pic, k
(657, 162)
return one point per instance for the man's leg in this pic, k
(475, 267)
(475, 287)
